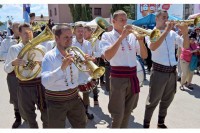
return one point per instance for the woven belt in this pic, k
(61, 95)
(162, 68)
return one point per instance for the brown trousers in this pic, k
(13, 86)
(27, 99)
(122, 101)
(72, 109)
(162, 89)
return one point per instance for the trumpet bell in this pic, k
(197, 21)
(155, 35)
(79, 61)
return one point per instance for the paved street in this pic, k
(184, 111)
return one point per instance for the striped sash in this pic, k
(126, 72)
(61, 95)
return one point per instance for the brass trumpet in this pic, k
(195, 21)
(79, 61)
(153, 34)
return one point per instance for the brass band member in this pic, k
(96, 53)
(11, 77)
(120, 48)
(86, 47)
(60, 78)
(162, 87)
(28, 91)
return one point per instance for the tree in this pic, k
(125, 7)
(80, 12)
(0, 21)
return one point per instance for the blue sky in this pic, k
(16, 11)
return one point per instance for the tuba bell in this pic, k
(79, 61)
(31, 52)
(102, 24)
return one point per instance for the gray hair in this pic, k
(118, 12)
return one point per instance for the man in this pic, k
(86, 47)
(96, 53)
(60, 78)
(29, 92)
(9, 29)
(34, 25)
(11, 77)
(120, 48)
(162, 87)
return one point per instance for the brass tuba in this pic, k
(79, 61)
(153, 34)
(31, 52)
(102, 24)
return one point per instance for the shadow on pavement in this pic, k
(195, 92)
(133, 124)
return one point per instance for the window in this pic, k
(50, 13)
(55, 11)
(97, 11)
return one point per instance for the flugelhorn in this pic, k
(195, 21)
(30, 50)
(153, 34)
(83, 65)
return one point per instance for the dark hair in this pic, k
(32, 14)
(77, 26)
(118, 12)
(88, 28)
(159, 12)
(23, 26)
(193, 35)
(60, 28)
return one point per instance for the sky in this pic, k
(16, 11)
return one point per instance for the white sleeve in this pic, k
(3, 50)
(179, 40)
(48, 75)
(12, 55)
(104, 44)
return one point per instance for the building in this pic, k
(60, 13)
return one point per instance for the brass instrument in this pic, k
(153, 34)
(31, 52)
(195, 21)
(102, 24)
(36, 27)
(79, 61)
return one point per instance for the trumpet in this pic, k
(153, 34)
(79, 61)
(195, 21)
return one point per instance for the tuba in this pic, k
(79, 61)
(31, 52)
(153, 34)
(102, 24)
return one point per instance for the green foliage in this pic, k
(128, 8)
(1, 23)
(80, 12)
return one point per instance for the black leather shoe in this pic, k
(16, 124)
(146, 126)
(90, 116)
(161, 126)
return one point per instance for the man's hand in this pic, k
(170, 26)
(183, 28)
(68, 59)
(19, 62)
